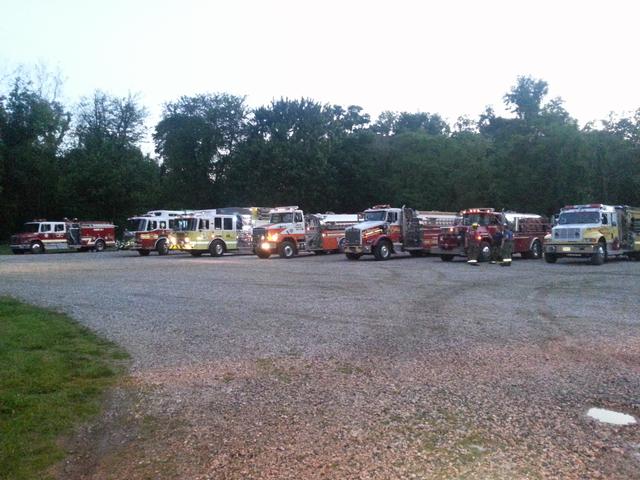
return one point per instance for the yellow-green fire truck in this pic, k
(211, 232)
(594, 231)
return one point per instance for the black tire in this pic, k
(382, 251)
(353, 256)
(550, 257)
(446, 258)
(162, 247)
(341, 244)
(485, 252)
(195, 254)
(599, 255)
(17, 251)
(287, 249)
(37, 247)
(263, 254)
(535, 253)
(99, 246)
(216, 249)
(144, 253)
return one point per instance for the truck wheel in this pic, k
(353, 256)
(446, 258)
(144, 253)
(599, 255)
(536, 251)
(287, 250)
(99, 246)
(263, 254)
(341, 244)
(37, 247)
(550, 257)
(162, 248)
(485, 252)
(216, 249)
(382, 251)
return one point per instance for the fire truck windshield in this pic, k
(281, 218)
(137, 225)
(379, 216)
(31, 227)
(480, 219)
(570, 218)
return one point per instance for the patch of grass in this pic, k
(53, 373)
(4, 249)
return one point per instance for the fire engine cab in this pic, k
(480, 225)
(386, 230)
(284, 234)
(39, 236)
(595, 231)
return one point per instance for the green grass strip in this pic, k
(53, 373)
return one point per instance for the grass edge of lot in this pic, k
(54, 374)
(4, 249)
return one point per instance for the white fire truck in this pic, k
(149, 232)
(594, 231)
(290, 232)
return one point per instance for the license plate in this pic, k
(566, 249)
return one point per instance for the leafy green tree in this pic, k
(105, 174)
(32, 130)
(195, 138)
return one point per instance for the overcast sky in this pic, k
(452, 58)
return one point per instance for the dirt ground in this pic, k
(319, 367)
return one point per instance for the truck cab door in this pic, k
(412, 234)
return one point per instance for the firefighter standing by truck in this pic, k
(506, 248)
(473, 249)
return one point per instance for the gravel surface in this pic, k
(318, 367)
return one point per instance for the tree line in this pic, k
(212, 150)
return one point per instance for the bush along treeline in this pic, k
(212, 150)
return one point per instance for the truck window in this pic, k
(204, 224)
(217, 223)
(298, 217)
(604, 219)
(59, 227)
(392, 217)
(228, 223)
(163, 224)
(152, 225)
(45, 227)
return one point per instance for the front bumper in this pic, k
(264, 246)
(357, 249)
(570, 248)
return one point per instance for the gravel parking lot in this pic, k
(319, 367)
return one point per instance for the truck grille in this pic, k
(352, 236)
(566, 234)
(15, 240)
(257, 234)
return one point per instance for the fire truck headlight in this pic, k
(187, 240)
(265, 246)
(478, 238)
(172, 240)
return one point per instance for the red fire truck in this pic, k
(528, 230)
(40, 236)
(387, 230)
(325, 232)
(149, 232)
(289, 231)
